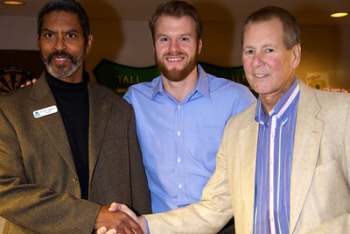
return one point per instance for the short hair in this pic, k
(291, 30)
(69, 6)
(176, 9)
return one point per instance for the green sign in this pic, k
(119, 77)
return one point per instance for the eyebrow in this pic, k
(181, 35)
(247, 47)
(269, 45)
(68, 31)
(263, 46)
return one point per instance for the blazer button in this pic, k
(75, 180)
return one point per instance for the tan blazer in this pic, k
(39, 186)
(320, 188)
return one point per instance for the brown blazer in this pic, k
(320, 181)
(39, 186)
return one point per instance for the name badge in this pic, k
(45, 111)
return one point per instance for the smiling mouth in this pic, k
(174, 59)
(60, 60)
(259, 76)
(60, 57)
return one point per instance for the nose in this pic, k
(173, 46)
(258, 59)
(60, 44)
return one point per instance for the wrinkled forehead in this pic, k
(263, 29)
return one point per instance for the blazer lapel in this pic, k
(100, 110)
(248, 139)
(306, 146)
(52, 124)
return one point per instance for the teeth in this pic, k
(259, 75)
(174, 59)
(60, 59)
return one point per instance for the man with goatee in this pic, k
(68, 146)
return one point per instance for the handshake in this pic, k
(117, 219)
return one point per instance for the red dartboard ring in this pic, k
(12, 77)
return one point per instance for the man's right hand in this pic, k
(117, 220)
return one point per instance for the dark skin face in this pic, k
(63, 46)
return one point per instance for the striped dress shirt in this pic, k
(274, 164)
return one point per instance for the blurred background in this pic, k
(121, 35)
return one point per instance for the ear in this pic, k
(89, 43)
(296, 55)
(199, 46)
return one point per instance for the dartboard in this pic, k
(12, 77)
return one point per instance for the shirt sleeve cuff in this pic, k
(146, 224)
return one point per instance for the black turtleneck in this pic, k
(73, 105)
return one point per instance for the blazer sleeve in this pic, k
(34, 206)
(139, 185)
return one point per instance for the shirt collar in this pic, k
(202, 85)
(280, 107)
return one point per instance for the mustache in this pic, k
(174, 54)
(61, 53)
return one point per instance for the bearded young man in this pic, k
(68, 146)
(181, 115)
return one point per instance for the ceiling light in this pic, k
(339, 14)
(13, 3)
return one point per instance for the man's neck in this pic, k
(179, 90)
(270, 100)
